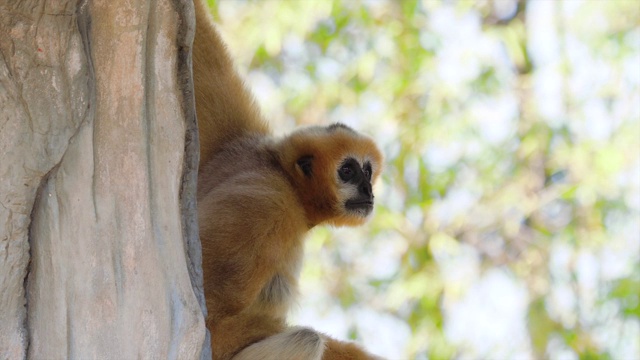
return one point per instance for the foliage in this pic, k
(510, 203)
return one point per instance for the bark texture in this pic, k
(99, 250)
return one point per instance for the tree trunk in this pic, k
(99, 249)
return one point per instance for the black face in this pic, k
(352, 173)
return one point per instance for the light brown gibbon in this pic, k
(258, 196)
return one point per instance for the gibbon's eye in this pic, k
(367, 171)
(347, 170)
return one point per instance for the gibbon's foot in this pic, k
(301, 343)
(296, 343)
(342, 350)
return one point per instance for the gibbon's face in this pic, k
(336, 168)
(354, 186)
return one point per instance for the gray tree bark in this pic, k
(99, 249)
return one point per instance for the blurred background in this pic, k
(507, 223)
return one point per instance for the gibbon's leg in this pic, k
(232, 334)
(235, 266)
(293, 344)
(340, 350)
(243, 243)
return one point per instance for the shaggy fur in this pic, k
(257, 198)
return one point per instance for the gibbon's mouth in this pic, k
(359, 205)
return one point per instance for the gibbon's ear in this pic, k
(304, 163)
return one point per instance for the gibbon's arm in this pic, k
(225, 109)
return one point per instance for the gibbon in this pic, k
(257, 198)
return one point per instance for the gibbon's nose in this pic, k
(365, 189)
